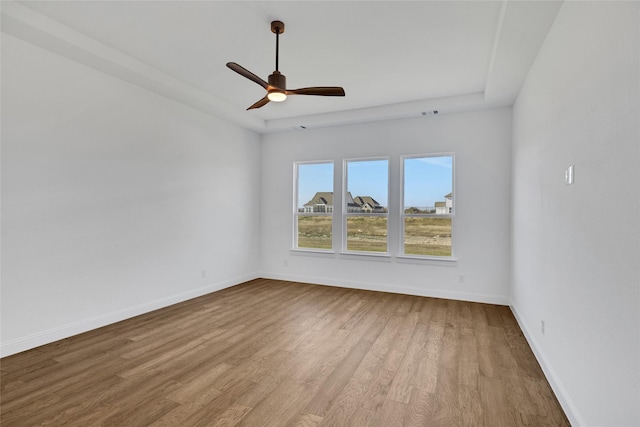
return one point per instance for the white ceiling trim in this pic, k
(496, 43)
(512, 40)
(35, 28)
(522, 28)
(424, 108)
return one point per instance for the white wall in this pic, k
(481, 143)
(576, 249)
(114, 199)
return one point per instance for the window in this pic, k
(364, 204)
(422, 219)
(428, 206)
(314, 206)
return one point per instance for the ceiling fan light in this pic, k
(276, 96)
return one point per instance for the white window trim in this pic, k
(451, 215)
(345, 214)
(296, 214)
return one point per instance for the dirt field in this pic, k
(423, 236)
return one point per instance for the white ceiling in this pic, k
(393, 58)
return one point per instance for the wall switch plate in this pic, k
(568, 175)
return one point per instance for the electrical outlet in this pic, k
(286, 263)
(542, 326)
(203, 274)
(461, 278)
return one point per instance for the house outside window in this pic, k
(428, 209)
(313, 223)
(365, 216)
(424, 227)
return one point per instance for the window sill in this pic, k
(404, 259)
(426, 259)
(315, 252)
(363, 255)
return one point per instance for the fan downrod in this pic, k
(277, 27)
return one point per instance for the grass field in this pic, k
(427, 236)
(423, 236)
(314, 232)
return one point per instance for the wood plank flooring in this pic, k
(275, 353)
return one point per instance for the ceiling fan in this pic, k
(277, 83)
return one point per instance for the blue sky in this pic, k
(427, 180)
(312, 178)
(369, 178)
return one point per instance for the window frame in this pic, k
(345, 211)
(297, 214)
(403, 215)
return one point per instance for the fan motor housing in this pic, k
(278, 80)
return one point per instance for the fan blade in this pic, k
(262, 102)
(320, 90)
(248, 74)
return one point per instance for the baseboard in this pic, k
(56, 334)
(381, 287)
(48, 336)
(563, 397)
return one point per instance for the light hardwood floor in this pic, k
(275, 353)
